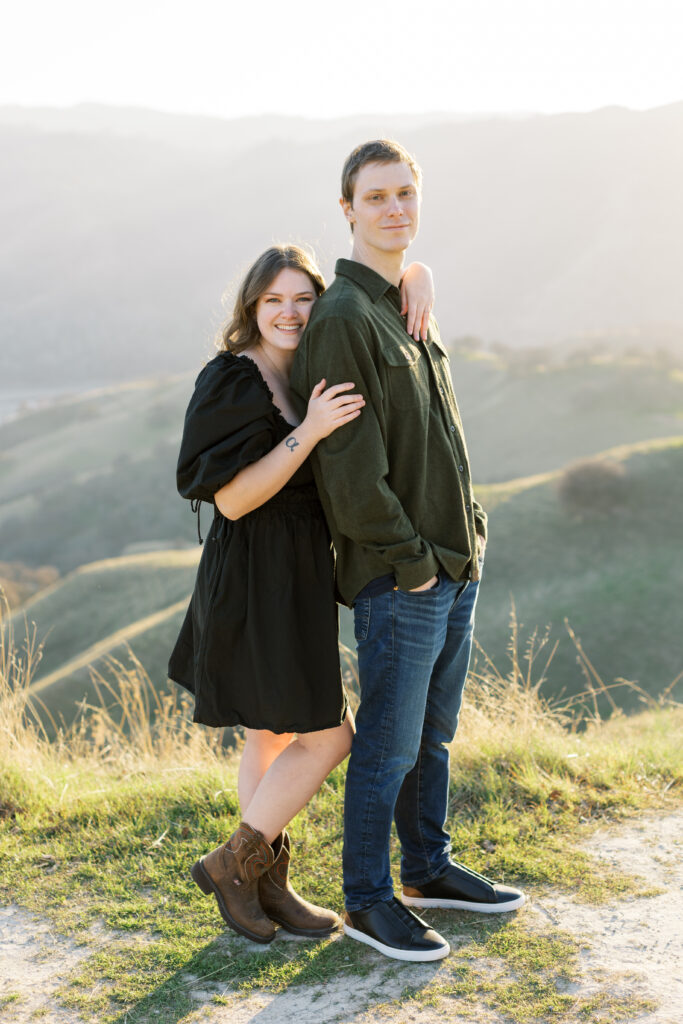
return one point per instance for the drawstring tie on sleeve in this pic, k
(195, 506)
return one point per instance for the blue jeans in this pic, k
(413, 656)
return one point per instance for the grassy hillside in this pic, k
(616, 577)
(94, 477)
(85, 479)
(102, 611)
(526, 413)
(91, 677)
(102, 598)
(552, 564)
(526, 790)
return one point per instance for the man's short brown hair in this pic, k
(379, 151)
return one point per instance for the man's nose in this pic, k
(395, 206)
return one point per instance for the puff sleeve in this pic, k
(228, 425)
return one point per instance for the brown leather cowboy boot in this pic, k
(282, 904)
(231, 872)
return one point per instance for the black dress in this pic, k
(258, 646)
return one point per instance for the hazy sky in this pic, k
(328, 59)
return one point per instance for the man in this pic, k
(409, 536)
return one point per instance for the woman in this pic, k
(258, 646)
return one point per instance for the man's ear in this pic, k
(347, 209)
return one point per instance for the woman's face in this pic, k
(282, 311)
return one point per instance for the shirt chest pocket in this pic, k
(406, 378)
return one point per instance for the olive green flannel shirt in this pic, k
(395, 482)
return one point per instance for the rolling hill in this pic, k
(617, 579)
(94, 477)
(102, 602)
(102, 610)
(88, 478)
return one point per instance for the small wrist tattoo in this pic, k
(291, 443)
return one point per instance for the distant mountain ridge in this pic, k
(122, 228)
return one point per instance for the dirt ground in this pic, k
(636, 944)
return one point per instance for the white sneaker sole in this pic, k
(398, 954)
(479, 908)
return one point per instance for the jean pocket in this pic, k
(424, 593)
(361, 619)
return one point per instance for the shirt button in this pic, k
(452, 427)
(461, 468)
(440, 391)
(467, 508)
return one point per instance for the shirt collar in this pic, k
(373, 283)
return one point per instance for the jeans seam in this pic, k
(420, 762)
(380, 760)
(434, 874)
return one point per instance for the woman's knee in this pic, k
(262, 741)
(330, 745)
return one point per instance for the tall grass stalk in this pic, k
(21, 733)
(133, 727)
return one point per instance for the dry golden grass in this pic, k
(134, 783)
(133, 727)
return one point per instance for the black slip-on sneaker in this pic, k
(460, 888)
(397, 932)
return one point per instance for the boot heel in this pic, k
(199, 877)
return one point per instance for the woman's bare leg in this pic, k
(261, 748)
(294, 776)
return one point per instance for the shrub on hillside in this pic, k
(593, 487)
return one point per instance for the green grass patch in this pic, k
(8, 998)
(98, 832)
(501, 966)
(615, 577)
(98, 847)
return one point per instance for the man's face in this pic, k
(385, 211)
